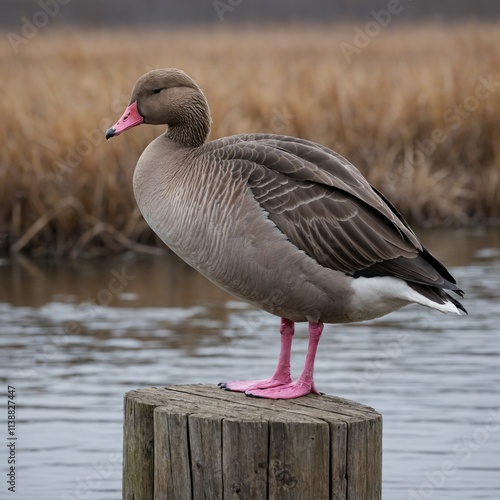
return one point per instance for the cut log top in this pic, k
(210, 399)
(198, 441)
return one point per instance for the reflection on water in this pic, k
(76, 336)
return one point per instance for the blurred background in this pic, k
(157, 12)
(93, 304)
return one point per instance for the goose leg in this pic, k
(281, 375)
(305, 383)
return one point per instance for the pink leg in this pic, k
(305, 383)
(281, 375)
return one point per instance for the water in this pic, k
(435, 378)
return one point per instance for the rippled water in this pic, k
(435, 378)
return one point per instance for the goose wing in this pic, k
(327, 209)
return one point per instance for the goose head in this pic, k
(168, 97)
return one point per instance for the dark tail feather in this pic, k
(437, 295)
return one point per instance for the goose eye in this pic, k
(157, 91)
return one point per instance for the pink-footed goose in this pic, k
(283, 223)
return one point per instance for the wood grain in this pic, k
(200, 442)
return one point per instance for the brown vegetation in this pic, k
(417, 110)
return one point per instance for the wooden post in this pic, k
(200, 442)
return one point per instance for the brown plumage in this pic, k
(283, 223)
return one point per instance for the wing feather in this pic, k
(325, 207)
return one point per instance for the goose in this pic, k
(282, 223)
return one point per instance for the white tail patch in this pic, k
(375, 297)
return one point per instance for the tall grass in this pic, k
(411, 110)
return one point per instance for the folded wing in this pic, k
(327, 209)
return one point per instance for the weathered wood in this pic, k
(138, 447)
(244, 457)
(172, 465)
(299, 457)
(199, 442)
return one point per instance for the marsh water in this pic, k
(75, 336)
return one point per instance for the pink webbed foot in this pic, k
(289, 391)
(247, 385)
(281, 375)
(305, 383)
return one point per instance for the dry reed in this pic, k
(417, 111)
